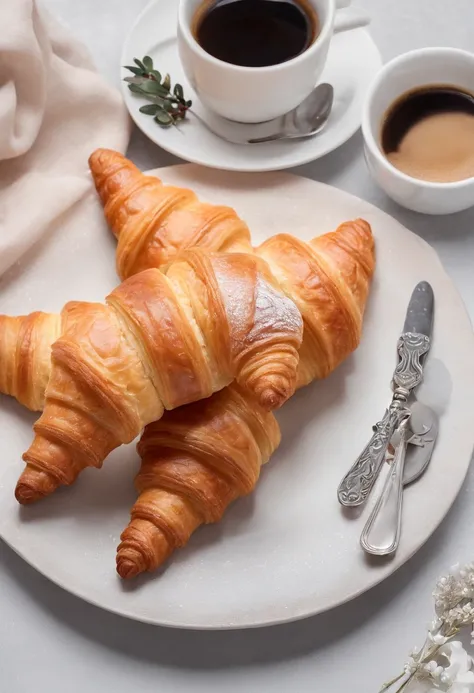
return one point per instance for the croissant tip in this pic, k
(26, 494)
(34, 484)
(270, 399)
(100, 151)
(127, 567)
(95, 159)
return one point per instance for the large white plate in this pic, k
(353, 62)
(287, 551)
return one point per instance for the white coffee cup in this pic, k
(257, 94)
(424, 67)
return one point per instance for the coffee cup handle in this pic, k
(348, 19)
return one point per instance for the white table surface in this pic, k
(51, 641)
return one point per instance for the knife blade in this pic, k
(424, 424)
(420, 312)
(413, 345)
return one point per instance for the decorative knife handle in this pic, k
(411, 347)
(354, 489)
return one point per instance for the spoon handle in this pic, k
(268, 138)
(381, 534)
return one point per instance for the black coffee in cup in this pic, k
(255, 33)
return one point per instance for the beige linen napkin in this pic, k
(54, 111)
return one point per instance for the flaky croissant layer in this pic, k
(161, 341)
(153, 222)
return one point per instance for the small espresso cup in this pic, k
(257, 94)
(419, 68)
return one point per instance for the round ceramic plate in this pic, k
(353, 62)
(287, 550)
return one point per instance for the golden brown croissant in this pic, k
(160, 342)
(25, 353)
(153, 222)
(196, 460)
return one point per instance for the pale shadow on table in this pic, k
(451, 228)
(147, 155)
(333, 165)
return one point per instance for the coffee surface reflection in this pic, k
(428, 134)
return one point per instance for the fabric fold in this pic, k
(55, 109)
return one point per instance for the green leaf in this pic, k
(165, 107)
(150, 109)
(135, 70)
(156, 74)
(135, 88)
(152, 87)
(148, 62)
(163, 118)
(134, 80)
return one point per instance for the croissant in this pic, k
(160, 341)
(153, 222)
(25, 352)
(197, 460)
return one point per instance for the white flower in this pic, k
(457, 676)
(442, 665)
(437, 638)
(460, 616)
(435, 625)
(454, 588)
(411, 666)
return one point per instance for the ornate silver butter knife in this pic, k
(413, 344)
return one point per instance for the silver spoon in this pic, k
(305, 120)
(381, 534)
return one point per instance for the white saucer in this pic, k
(353, 62)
